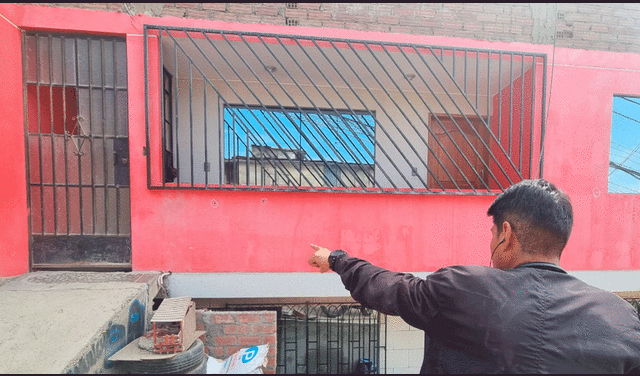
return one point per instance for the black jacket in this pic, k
(534, 318)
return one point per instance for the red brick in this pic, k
(400, 29)
(452, 25)
(296, 13)
(197, 14)
(272, 351)
(263, 329)
(310, 6)
(410, 22)
(269, 340)
(248, 317)
(173, 12)
(230, 350)
(222, 318)
(223, 16)
(225, 341)
(269, 371)
(274, 20)
(189, 5)
(391, 20)
(333, 24)
(240, 8)
(267, 10)
(474, 7)
(312, 23)
(355, 26)
(250, 341)
(319, 15)
(222, 7)
(249, 18)
(378, 27)
(269, 317)
(236, 329)
(404, 12)
(425, 13)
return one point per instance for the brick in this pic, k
(425, 13)
(225, 340)
(390, 20)
(269, 340)
(230, 350)
(422, 30)
(269, 316)
(362, 18)
(452, 25)
(271, 352)
(248, 317)
(355, 26)
(472, 27)
(410, 22)
(310, 6)
(269, 10)
(237, 329)
(486, 17)
(295, 13)
(319, 15)
(312, 23)
(263, 328)
(241, 8)
(495, 8)
(224, 16)
(250, 341)
(333, 24)
(189, 5)
(198, 14)
(222, 318)
(378, 27)
(404, 12)
(600, 28)
(221, 7)
(473, 7)
(173, 12)
(249, 18)
(400, 29)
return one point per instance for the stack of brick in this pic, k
(230, 331)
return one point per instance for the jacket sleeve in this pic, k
(391, 293)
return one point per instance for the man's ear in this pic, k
(507, 232)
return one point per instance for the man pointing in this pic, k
(524, 315)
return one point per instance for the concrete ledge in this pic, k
(329, 285)
(71, 322)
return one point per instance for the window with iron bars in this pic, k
(259, 111)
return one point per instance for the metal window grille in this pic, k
(326, 338)
(624, 151)
(438, 119)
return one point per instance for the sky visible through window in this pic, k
(624, 157)
(336, 137)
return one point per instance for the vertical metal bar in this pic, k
(544, 105)
(38, 62)
(221, 143)
(191, 119)
(511, 103)
(477, 77)
(92, 139)
(306, 328)
(104, 139)
(115, 125)
(489, 88)
(499, 98)
(146, 105)
(206, 141)
(175, 113)
(233, 150)
(163, 131)
(247, 159)
(533, 101)
(53, 148)
(64, 132)
(521, 110)
(27, 140)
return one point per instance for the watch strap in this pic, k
(333, 256)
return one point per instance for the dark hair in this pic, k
(540, 214)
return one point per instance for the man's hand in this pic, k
(320, 259)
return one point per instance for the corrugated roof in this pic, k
(172, 309)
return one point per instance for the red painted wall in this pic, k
(225, 231)
(14, 231)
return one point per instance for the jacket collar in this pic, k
(542, 265)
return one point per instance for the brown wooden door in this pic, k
(457, 134)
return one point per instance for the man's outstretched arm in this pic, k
(388, 292)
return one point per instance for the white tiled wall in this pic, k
(405, 346)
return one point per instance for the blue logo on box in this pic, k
(250, 354)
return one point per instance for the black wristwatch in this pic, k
(333, 256)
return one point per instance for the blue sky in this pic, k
(625, 145)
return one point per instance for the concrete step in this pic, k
(71, 322)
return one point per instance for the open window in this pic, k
(624, 153)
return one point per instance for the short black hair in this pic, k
(541, 215)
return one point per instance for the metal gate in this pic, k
(77, 151)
